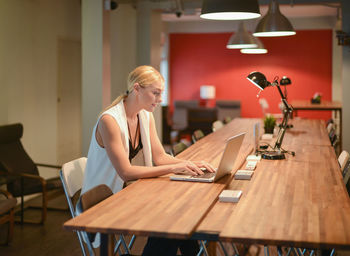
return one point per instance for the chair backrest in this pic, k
(228, 108)
(227, 119)
(178, 148)
(14, 159)
(346, 174)
(197, 135)
(330, 128)
(343, 159)
(73, 175)
(181, 112)
(217, 125)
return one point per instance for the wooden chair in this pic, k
(197, 135)
(178, 148)
(72, 175)
(7, 205)
(217, 125)
(15, 162)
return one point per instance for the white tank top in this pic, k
(99, 169)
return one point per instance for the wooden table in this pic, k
(335, 106)
(300, 201)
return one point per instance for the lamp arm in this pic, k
(287, 112)
(282, 130)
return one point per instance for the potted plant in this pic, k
(316, 99)
(269, 124)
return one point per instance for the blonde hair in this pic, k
(144, 76)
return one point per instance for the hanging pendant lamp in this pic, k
(241, 39)
(260, 49)
(230, 9)
(274, 23)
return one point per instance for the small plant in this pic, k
(316, 99)
(269, 124)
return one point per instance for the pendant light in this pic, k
(260, 49)
(241, 39)
(274, 23)
(230, 9)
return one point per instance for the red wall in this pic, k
(198, 59)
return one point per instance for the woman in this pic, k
(124, 143)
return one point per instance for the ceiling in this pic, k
(190, 9)
(290, 11)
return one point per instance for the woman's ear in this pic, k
(136, 87)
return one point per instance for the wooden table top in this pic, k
(300, 201)
(159, 206)
(324, 105)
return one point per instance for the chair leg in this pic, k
(266, 250)
(223, 248)
(234, 247)
(203, 248)
(11, 226)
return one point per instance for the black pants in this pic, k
(168, 247)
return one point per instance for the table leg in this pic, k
(104, 245)
(22, 200)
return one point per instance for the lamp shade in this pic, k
(241, 39)
(274, 23)
(207, 92)
(258, 79)
(260, 49)
(230, 9)
(285, 81)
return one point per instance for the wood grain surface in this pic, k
(324, 105)
(160, 207)
(300, 201)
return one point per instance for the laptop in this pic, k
(227, 161)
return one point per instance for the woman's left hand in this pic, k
(203, 164)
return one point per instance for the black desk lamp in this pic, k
(259, 80)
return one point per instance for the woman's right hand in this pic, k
(187, 167)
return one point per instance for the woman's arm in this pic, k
(111, 139)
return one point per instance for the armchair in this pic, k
(16, 163)
(7, 205)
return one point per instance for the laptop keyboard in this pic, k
(205, 175)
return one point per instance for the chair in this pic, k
(180, 115)
(15, 162)
(197, 135)
(178, 148)
(228, 108)
(201, 119)
(72, 175)
(343, 159)
(7, 205)
(227, 119)
(217, 125)
(265, 109)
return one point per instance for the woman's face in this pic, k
(151, 95)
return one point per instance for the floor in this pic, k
(51, 239)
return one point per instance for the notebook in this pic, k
(227, 161)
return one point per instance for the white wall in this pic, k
(28, 68)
